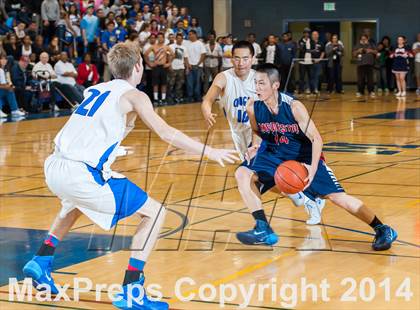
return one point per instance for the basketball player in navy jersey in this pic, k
(289, 133)
(234, 87)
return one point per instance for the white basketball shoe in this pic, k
(314, 210)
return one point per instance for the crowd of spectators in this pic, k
(54, 49)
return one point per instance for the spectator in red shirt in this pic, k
(87, 74)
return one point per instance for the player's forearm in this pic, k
(256, 140)
(206, 105)
(184, 142)
(316, 151)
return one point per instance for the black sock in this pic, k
(259, 215)
(46, 250)
(375, 222)
(132, 276)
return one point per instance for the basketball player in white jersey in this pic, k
(79, 173)
(234, 87)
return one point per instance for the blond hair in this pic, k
(122, 58)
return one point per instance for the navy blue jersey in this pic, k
(281, 133)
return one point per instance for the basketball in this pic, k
(290, 176)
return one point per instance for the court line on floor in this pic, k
(358, 252)
(364, 173)
(303, 221)
(40, 304)
(109, 302)
(237, 305)
(278, 217)
(270, 249)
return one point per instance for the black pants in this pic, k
(92, 49)
(284, 73)
(365, 73)
(70, 93)
(334, 78)
(304, 69)
(49, 31)
(149, 88)
(23, 98)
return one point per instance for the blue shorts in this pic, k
(265, 163)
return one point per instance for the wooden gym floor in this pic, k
(373, 146)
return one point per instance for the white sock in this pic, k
(163, 96)
(156, 96)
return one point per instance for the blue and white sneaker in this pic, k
(139, 299)
(384, 237)
(39, 269)
(261, 234)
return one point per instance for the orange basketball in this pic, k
(290, 176)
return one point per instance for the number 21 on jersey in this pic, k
(92, 103)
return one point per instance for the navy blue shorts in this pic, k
(265, 163)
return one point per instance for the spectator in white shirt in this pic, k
(144, 33)
(177, 69)
(147, 15)
(44, 73)
(43, 69)
(227, 53)
(211, 63)
(196, 54)
(139, 22)
(20, 30)
(257, 48)
(66, 80)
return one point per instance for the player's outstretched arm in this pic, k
(213, 93)
(307, 125)
(130, 123)
(139, 102)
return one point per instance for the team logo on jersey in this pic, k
(240, 103)
(274, 127)
(278, 130)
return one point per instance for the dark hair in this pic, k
(251, 34)
(161, 34)
(271, 70)
(386, 38)
(192, 31)
(243, 44)
(179, 34)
